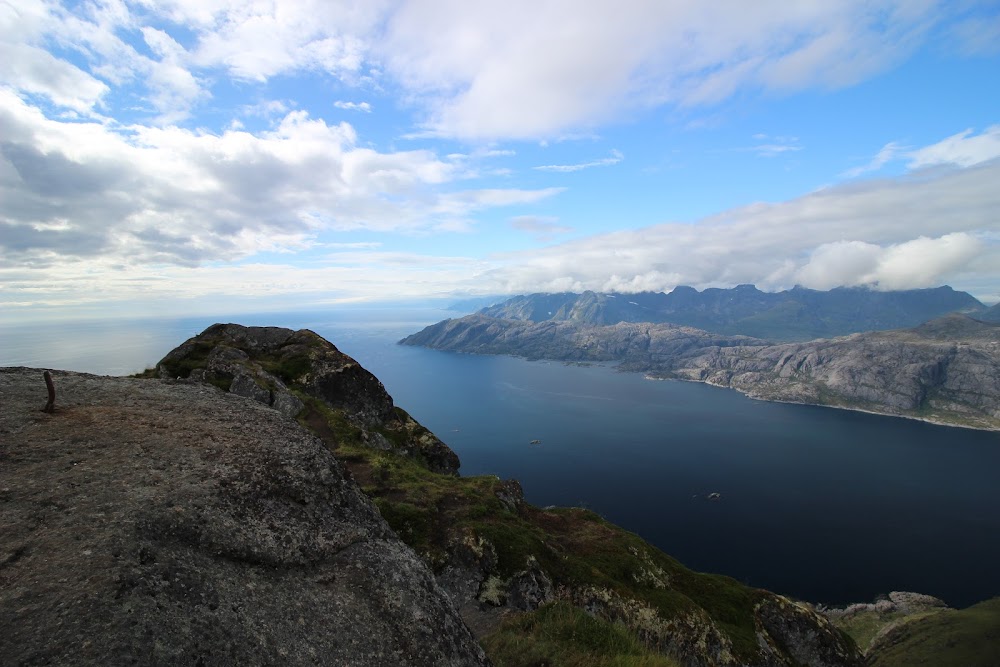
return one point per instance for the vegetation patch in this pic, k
(560, 635)
(576, 547)
(289, 368)
(968, 638)
(197, 357)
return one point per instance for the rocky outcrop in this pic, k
(164, 523)
(896, 602)
(946, 370)
(283, 368)
(790, 629)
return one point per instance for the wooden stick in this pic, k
(51, 405)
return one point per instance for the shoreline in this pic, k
(926, 420)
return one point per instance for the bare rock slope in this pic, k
(163, 523)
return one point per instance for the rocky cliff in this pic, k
(160, 522)
(500, 559)
(261, 362)
(946, 370)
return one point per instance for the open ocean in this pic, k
(825, 505)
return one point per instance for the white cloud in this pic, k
(142, 195)
(497, 152)
(256, 41)
(267, 109)
(768, 146)
(924, 262)
(34, 70)
(840, 263)
(94, 33)
(921, 262)
(542, 227)
(887, 154)
(353, 106)
(615, 158)
(963, 149)
(541, 69)
(913, 231)
(520, 70)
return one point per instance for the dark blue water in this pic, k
(826, 505)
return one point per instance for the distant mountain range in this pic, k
(945, 370)
(791, 315)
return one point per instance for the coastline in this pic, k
(926, 420)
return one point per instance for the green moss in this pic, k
(560, 635)
(289, 368)
(196, 358)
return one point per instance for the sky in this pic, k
(191, 156)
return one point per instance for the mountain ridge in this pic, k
(790, 315)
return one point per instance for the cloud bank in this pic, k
(930, 226)
(173, 196)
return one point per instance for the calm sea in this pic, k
(825, 505)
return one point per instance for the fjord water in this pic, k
(825, 505)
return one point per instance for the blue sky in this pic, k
(184, 156)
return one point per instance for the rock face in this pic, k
(946, 370)
(163, 523)
(262, 362)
